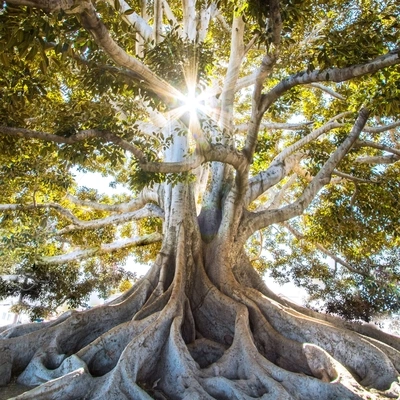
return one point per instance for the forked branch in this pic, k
(259, 220)
(282, 164)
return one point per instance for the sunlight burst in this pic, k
(192, 104)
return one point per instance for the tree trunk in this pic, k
(200, 325)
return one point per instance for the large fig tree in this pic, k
(229, 121)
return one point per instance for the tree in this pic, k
(224, 119)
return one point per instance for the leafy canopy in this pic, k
(55, 78)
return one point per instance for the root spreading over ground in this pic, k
(195, 329)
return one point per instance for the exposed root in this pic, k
(61, 339)
(191, 340)
(365, 360)
(247, 276)
(67, 387)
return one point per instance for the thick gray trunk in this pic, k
(200, 325)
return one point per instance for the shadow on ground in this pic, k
(12, 390)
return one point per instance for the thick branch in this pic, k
(215, 152)
(206, 14)
(92, 23)
(150, 210)
(275, 22)
(157, 20)
(263, 181)
(280, 166)
(329, 75)
(103, 249)
(259, 220)
(221, 19)
(141, 26)
(265, 69)
(232, 73)
(189, 19)
(147, 78)
(25, 207)
(307, 139)
(246, 81)
(168, 13)
(278, 197)
(79, 137)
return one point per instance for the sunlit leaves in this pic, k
(55, 79)
(175, 59)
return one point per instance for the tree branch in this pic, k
(378, 159)
(328, 90)
(367, 143)
(232, 73)
(103, 249)
(214, 152)
(169, 14)
(141, 26)
(264, 180)
(157, 20)
(259, 220)
(189, 19)
(149, 210)
(144, 197)
(220, 18)
(275, 23)
(91, 22)
(206, 14)
(279, 196)
(329, 75)
(25, 207)
(275, 126)
(79, 137)
(352, 178)
(383, 128)
(281, 166)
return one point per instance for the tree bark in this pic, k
(200, 325)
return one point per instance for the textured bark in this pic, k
(200, 325)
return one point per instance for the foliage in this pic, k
(55, 78)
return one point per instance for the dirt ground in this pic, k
(12, 390)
